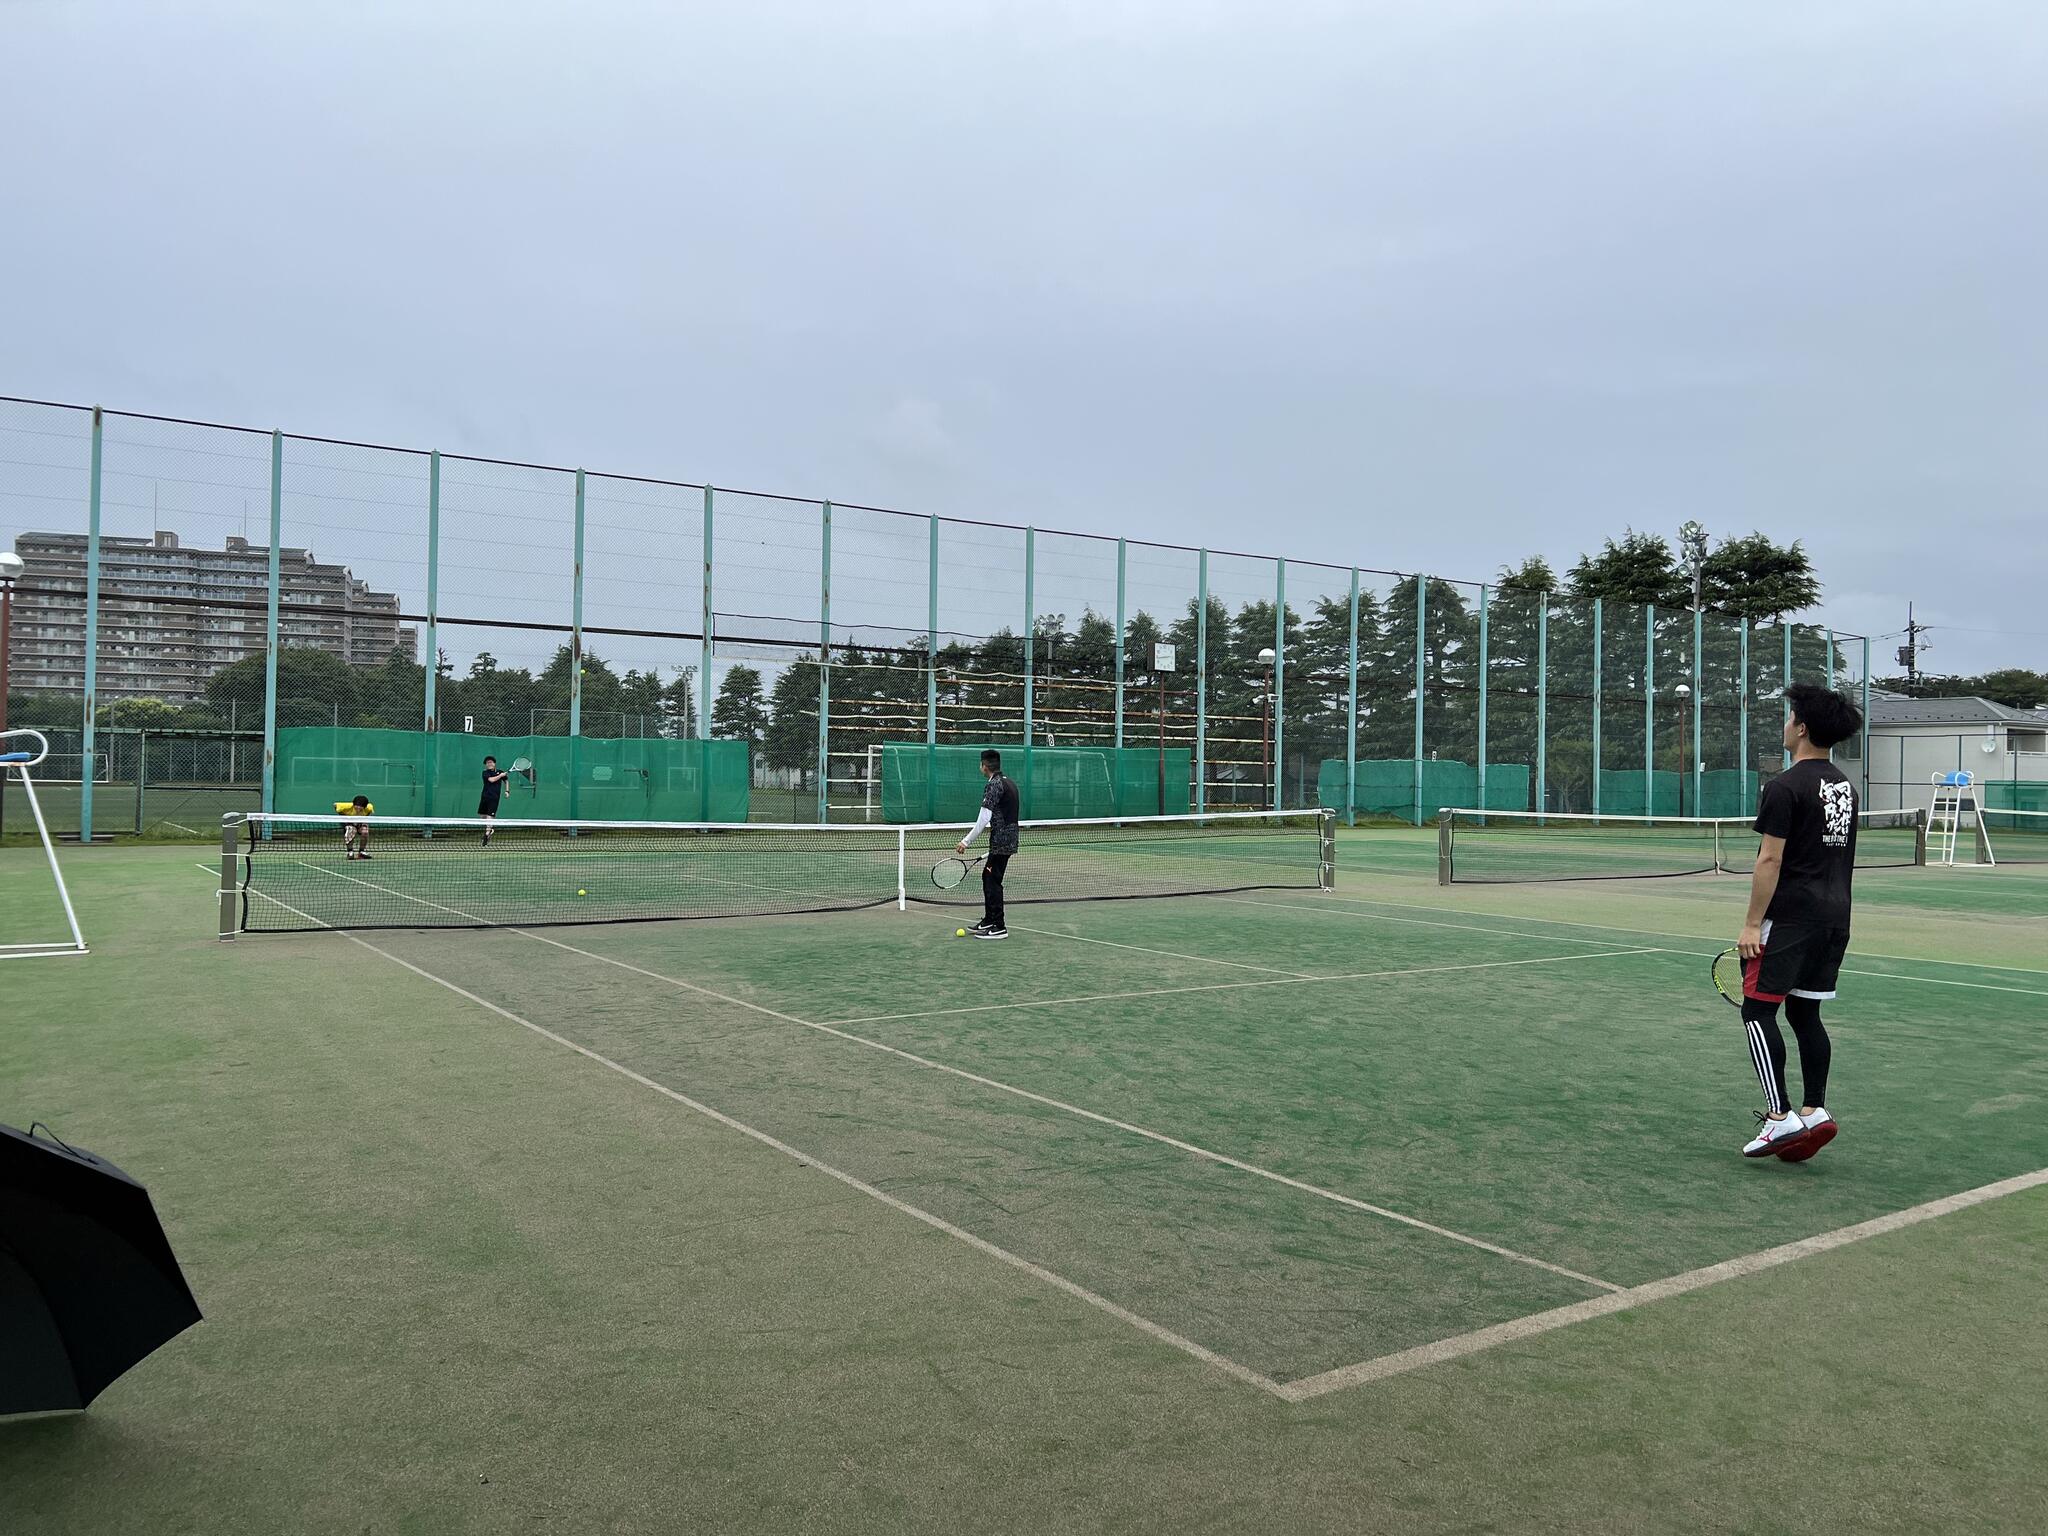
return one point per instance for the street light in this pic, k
(1266, 729)
(11, 567)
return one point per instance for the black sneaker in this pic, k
(983, 931)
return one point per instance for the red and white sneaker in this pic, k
(1774, 1137)
(1820, 1130)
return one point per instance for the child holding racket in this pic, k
(1797, 928)
(494, 787)
(355, 835)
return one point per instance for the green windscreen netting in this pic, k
(921, 782)
(581, 778)
(1386, 786)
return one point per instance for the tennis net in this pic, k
(1499, 846)
(2015, 837)
(292, 873)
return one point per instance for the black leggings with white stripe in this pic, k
(1767, 1049)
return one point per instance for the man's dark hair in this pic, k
(1827, 716)
(360, 800)
(488, 758)
(991, 758)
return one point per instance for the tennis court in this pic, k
(1390, 1204)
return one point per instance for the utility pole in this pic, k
(1909, 653)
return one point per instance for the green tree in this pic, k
(313, 688)
(1755, 575)
(791, 737)
(1638, 568)
(740, 712)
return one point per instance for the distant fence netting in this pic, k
(921, 782)
(213, 581)
(588, 778)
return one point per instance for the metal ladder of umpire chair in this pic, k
(1954, 797)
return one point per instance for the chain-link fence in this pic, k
(208, 586)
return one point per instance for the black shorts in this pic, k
(1799, 960)
(487, 808)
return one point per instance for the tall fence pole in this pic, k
(931, 678)
(1485, 652)
(825, 663)
(576, 662)
(1543, 702)
(1120, 553)
(1030, 636)
(1866, 727)
(1699, 752)
(1650, 710)
(273, 595)
(429, 700)
(1742, 723)
(1421, 607)
(705, 648)
(1351, 714)
(1598, 639)
(1278, 788)
(1202, 681)
(87, 732)
(1786, 712)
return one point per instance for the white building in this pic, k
(1911, 740)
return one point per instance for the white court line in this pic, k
(1221, 1158)
(1037, 1272)
(1418, 922)
(1459, 1345)
(1930, 981)
(1175, 954)
(1658, 933)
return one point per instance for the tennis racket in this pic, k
(1728, 976)
(948, 873)
(523, 766)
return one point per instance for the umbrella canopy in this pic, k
(88, 1283)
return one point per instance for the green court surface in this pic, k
(1396, 1207)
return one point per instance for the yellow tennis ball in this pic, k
(959, 933)
(583, 893)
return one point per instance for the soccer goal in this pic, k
(19, 752)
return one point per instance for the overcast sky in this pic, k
(1424, 285)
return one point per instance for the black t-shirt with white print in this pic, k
(999, 799)
(1812, 805)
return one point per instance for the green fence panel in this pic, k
(922, 782)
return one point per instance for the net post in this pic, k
(1920, 826)
(824, 664)
(1421, 603)
(1599, 641)
(1277, 789)
(1542, 702)
(1484, 664)
(1202, 682)
(92, 637)
(1351, 714)
(1445, 821)
(705, 645)
(1326, 828)
(902, 863)
(228, 840)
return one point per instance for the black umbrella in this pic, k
(88, 1283)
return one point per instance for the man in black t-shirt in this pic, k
(487, 806)
(1797, 929)
(999, 816)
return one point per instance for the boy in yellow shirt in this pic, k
(355, 837)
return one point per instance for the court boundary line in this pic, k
(1659, 933)
(1458, 1346)
(1381, 917)
(1059, 1282)
(1175, 954)
(1223, 1159)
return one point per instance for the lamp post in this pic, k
(11, 566)
(1266, 729)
